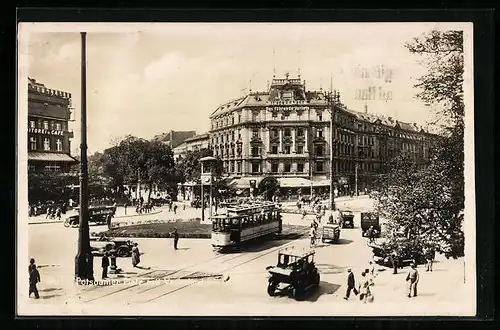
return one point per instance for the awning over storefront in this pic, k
(294, 182)
(321, 183)
(51, 157)
(243, 182)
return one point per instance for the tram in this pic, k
(243, 223)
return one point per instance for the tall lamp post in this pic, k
(333, 99)
(84, 263)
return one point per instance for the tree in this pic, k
(425, 206)
(49, 185)
(133, 156)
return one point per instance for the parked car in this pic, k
(383, 254)
(295, 272)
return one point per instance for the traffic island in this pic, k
(185, 229)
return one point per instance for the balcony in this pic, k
(319, 139)
(255, 139)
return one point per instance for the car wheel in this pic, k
(67, 223)
(122, 252)
(271, 288)
(316, 279)
(297, 291)
(74, 224)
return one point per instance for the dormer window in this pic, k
(287, 94)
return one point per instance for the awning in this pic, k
(243, 182)
(51, 157)
(294, 182)
(321, 183)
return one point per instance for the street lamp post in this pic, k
(84, 263)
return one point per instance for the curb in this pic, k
(45, 222)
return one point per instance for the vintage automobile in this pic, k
(122, 247)
(346, 219)
(331, 232)
(383, 255)
(295, 272)
(370, 219)
(100, 215)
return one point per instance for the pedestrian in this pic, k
(370, 233)
(169, 206)
(175, 208)
(125, 207)
(136, 257)
(412, 280)
(312, 235)
(34, 279)
(184, 207)
(365, 287)
(351, 284)
(176, 238)
(49, 211)
(372, 270)
(429, 258)
(394, 262)
(105, 265)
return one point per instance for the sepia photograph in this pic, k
(245, 169)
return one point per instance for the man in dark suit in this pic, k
(34, 279)
(105, 265)
(351, 284)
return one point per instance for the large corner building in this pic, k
(49, 138)
(284, 133)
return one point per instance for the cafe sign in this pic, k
(290, 108)
(45, 131)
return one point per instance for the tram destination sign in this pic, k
(45, 131)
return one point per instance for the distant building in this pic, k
(174, 138)
(49, 138)
(198, 142)
(284, 134)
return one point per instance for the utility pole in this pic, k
(356, 179)
(202, 196)
(333, 98)
(84, 261)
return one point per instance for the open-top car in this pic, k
(100, 215)
(101, 244)
(346, 219)
(384, 255)
(295, 272)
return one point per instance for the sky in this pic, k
(145, 80)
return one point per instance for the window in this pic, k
(300, 167)
(287, 150)
(288, 132)
(232, 120)
(255, 167)
(232, 133)
(319, 132)
(255, 116)
(255, 151)
(239, 134)
(232, 167)
(239, 118)
(319, 166)
(274, 167)
(319, 151)
(32, 143)
(45, 125)
(300, 131)
(320, 117)
(32, 124)
(287, 167)
(255, 133)
(238, 167)
(300, 149)
(274, 149)
(46, 144)
(52, 167)
(59, 145)
(274, 133)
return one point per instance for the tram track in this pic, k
(260, 255)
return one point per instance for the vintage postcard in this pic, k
(230, 169)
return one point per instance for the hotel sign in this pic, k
(290, 108)
(45, 131)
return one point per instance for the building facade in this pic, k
(285, 133)
(198, 142)
(174, 138)
(49, 137)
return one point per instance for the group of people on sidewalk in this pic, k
(364, 288)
